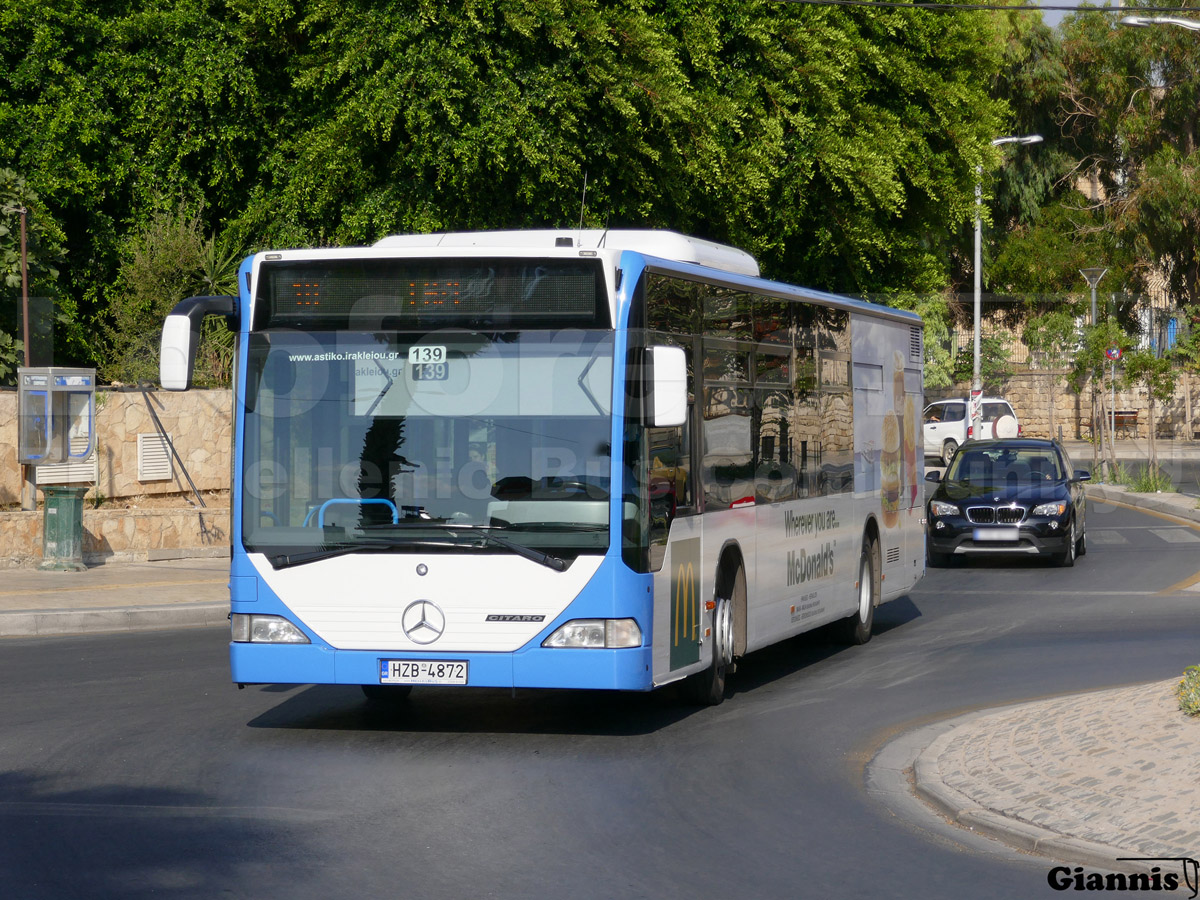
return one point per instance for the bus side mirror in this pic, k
(668, 392)
(181, 334)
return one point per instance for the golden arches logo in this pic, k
(687, 604)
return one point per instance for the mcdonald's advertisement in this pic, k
(685, 602)
(810, 557)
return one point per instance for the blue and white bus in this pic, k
(555, 459)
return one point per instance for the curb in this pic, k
(1181, 506)
(41, 623)
(965, 812)
(909, 763)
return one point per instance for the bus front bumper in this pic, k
(537, 667)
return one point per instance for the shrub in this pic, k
(1146, 480)
(1188, 691)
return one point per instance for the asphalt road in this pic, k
(132, 768)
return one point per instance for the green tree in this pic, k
(1129, 114)
(995, 364)
(106, 106)
(1092, 367)
(169, 260)
(1162, 221)
(837, 145)
(1158, 376)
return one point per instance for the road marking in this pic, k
(1098, 536)
(1176, 535)
(1188, 584)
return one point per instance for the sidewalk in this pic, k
(1087, 778)
(115, 597)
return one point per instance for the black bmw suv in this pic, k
(1020, 496)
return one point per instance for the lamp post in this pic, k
(976, 378)
(1093, 276)
(1146, 21)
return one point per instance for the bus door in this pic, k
(675, 552)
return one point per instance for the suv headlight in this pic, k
(940, 508)
(1050, 509)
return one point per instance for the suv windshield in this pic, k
(1005, 465)
(392, 442)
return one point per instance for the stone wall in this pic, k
(122, 534)
(198, 423)
(1031, 394)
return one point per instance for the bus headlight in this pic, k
(597, 633)
(258, 629)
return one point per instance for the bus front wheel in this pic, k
(707, 688)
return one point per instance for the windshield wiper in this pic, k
(480, 531)
(286, 560)
(558, 564)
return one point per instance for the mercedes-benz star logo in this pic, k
(423, 622)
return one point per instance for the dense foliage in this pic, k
(838, 145)
(1115, 184)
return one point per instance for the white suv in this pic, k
(946, 425)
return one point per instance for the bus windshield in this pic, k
(442, 440)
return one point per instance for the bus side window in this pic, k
(668, 484)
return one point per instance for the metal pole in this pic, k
(25, 285)
(976, 377)
(1112, 406)
(1093, 304)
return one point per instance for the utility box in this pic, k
(56, 415)
(62, 528)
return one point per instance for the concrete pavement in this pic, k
(115, 597)
(1109, 779)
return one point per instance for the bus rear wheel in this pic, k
(856, 628)
(707, 688)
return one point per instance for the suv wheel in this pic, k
(948, 450)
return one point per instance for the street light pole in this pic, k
(1093, 276)
(976, 376)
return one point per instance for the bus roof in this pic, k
(663, 244)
